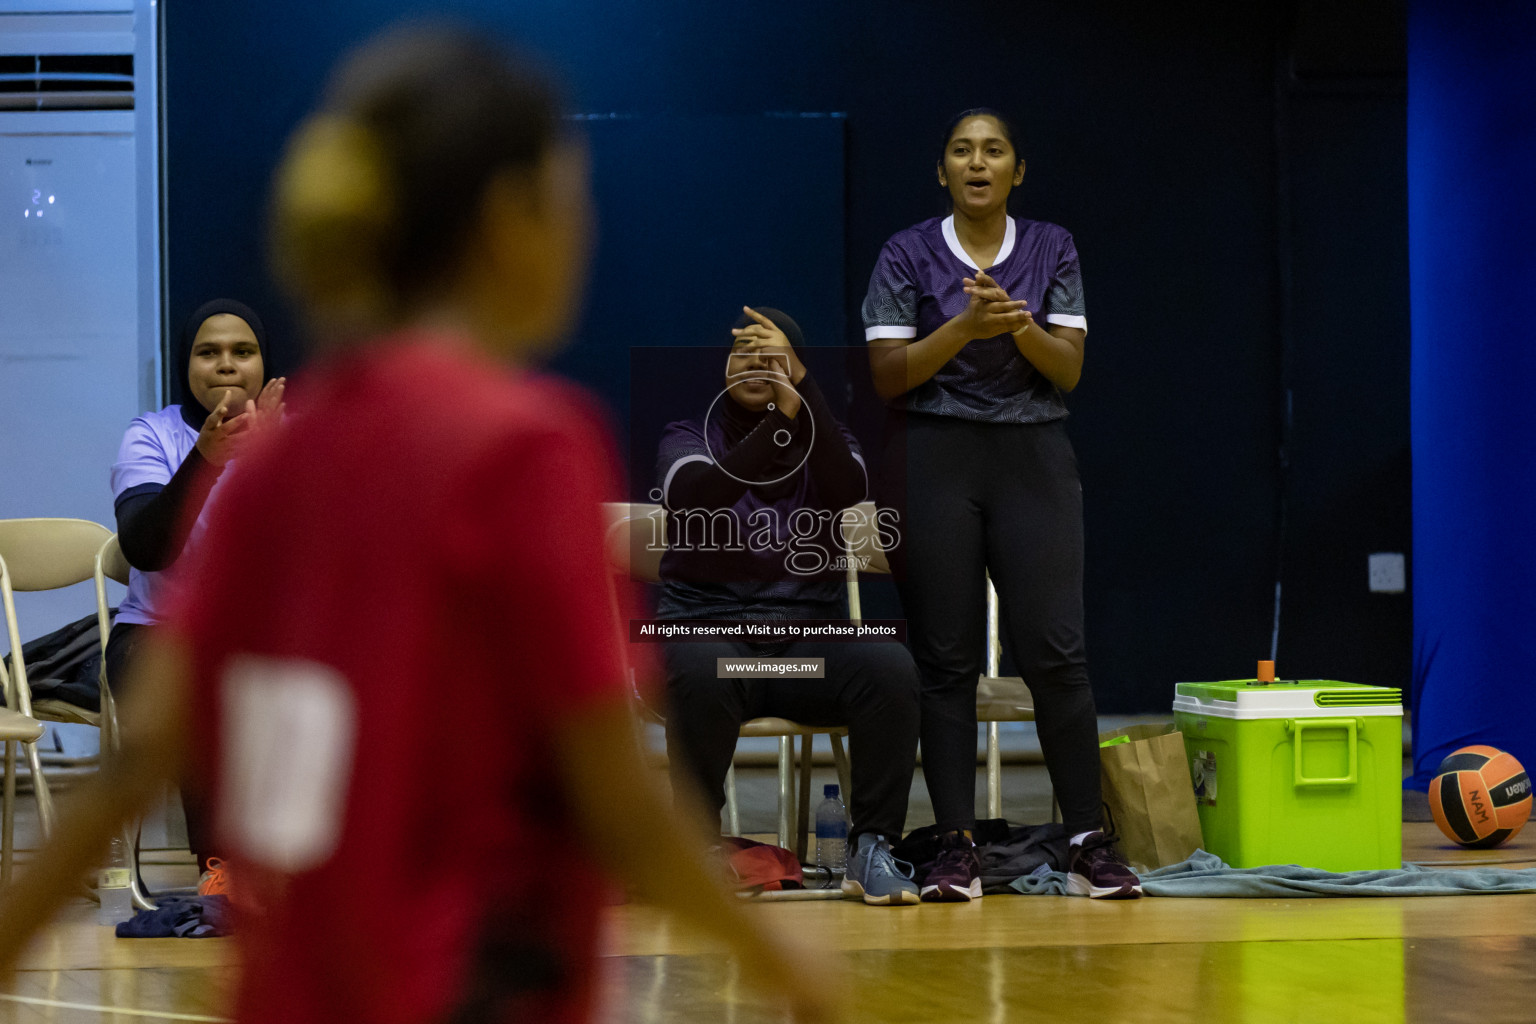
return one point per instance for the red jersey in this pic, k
(399, 600)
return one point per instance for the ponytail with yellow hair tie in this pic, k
(334, 222)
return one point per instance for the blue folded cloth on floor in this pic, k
(1205, 875)
(180, 917)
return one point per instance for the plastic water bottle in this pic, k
(112, 885)
(832, 832)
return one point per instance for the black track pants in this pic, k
(977, 497)
(869, 687)
(124, 639)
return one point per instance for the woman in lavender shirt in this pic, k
(975, 324)
(170, 461)
(167, 470)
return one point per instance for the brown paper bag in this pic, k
(1150, 796)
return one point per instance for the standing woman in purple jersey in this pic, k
(975, 324)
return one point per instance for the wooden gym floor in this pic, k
(1005, 958)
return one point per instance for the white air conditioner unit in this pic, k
(80, 252)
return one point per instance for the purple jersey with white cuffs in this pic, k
(917, 286)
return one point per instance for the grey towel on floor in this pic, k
(1204, 874)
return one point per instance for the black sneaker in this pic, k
(1096, 870)
(955, 875)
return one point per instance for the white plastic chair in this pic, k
(39, 554)
(15, 727)
(111, 565)
(1000, 699)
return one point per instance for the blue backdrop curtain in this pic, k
(1472, 258)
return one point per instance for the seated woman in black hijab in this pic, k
(169, 467)
(754, 489)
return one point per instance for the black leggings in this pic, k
(869, 687)
(121, 644)
(976, 497)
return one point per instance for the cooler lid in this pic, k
(1244, 698)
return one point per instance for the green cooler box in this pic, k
(1305, 772)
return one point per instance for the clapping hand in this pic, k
(766, 335)
(763, 352)
(223, 437)
(267, 411)
(990, 311)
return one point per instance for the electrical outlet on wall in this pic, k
(1388, 572)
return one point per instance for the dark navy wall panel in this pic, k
(684, 243)
(1348, 481)
(1472, 219)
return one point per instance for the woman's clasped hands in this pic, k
(223, 437)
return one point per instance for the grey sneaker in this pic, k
(874, 873)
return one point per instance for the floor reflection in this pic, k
(1352, 981)
(90, 996)
(1477, 979)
